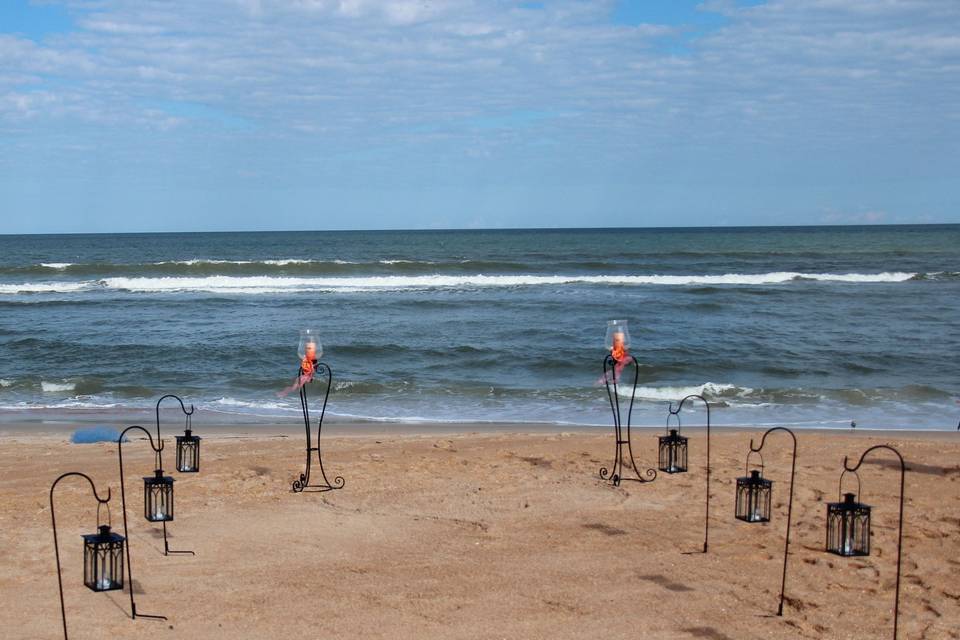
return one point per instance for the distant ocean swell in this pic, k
(817, 326)
(268, 284)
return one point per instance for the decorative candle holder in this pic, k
(103, 559)
(310, 350)
(158, 497)
(848, 527)
(848, 523)
(102, 553)
(617, 342)
(753, 496)
(753, 499)
(674, 451)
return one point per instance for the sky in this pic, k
(162, 115)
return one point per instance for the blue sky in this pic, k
(124, 115)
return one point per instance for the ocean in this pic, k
(804, 326)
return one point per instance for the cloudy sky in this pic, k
(128, 115)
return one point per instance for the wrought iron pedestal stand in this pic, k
(303, 482)
(676, 412)
(622, 434)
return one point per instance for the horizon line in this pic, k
(489, 229)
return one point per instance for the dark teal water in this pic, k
(804, 326)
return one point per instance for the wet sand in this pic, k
(479, 531)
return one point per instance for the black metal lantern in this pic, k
(188, 452)
(753, 496)
(848, 527)
(158, 497)
(103, 560)
(848, 524)
(673, 452)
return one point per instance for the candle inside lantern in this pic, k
(309, 351)
(618, 339)
(618, 351)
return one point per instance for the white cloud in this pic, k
(407, 81)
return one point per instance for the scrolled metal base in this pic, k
(302, 483)
(623, 457)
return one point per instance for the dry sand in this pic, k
(500, 533)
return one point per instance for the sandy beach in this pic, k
(479, 532)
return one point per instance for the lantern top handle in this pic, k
(840, 488)
(104, 503)
(747, 466)
(673, 414)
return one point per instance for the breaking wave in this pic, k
(270, 284)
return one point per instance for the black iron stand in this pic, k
(303, 482)
(622, 436)
(56, 545)
(793, 468)
(123, 500)
(903, 475)
(676, 412)
(166, 547)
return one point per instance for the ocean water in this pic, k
(799, 326)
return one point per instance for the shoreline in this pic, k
(67, 424)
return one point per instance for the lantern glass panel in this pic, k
(848, 527)
(158, 497)
(673, 453)
(309, 347)
(753, 498)
(617, 335)
(103, 560)
(188, 453)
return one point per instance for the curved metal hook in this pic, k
(136, 426)
(692, 396)
(182, 408)
(768, 432)
(847, 467)
(87, 478)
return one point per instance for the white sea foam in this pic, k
(53, 387)
(278, 262)
(46, 287)
(56, 265)
(707, 389)
(263, 405)
(6, 383)
(268, 284)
